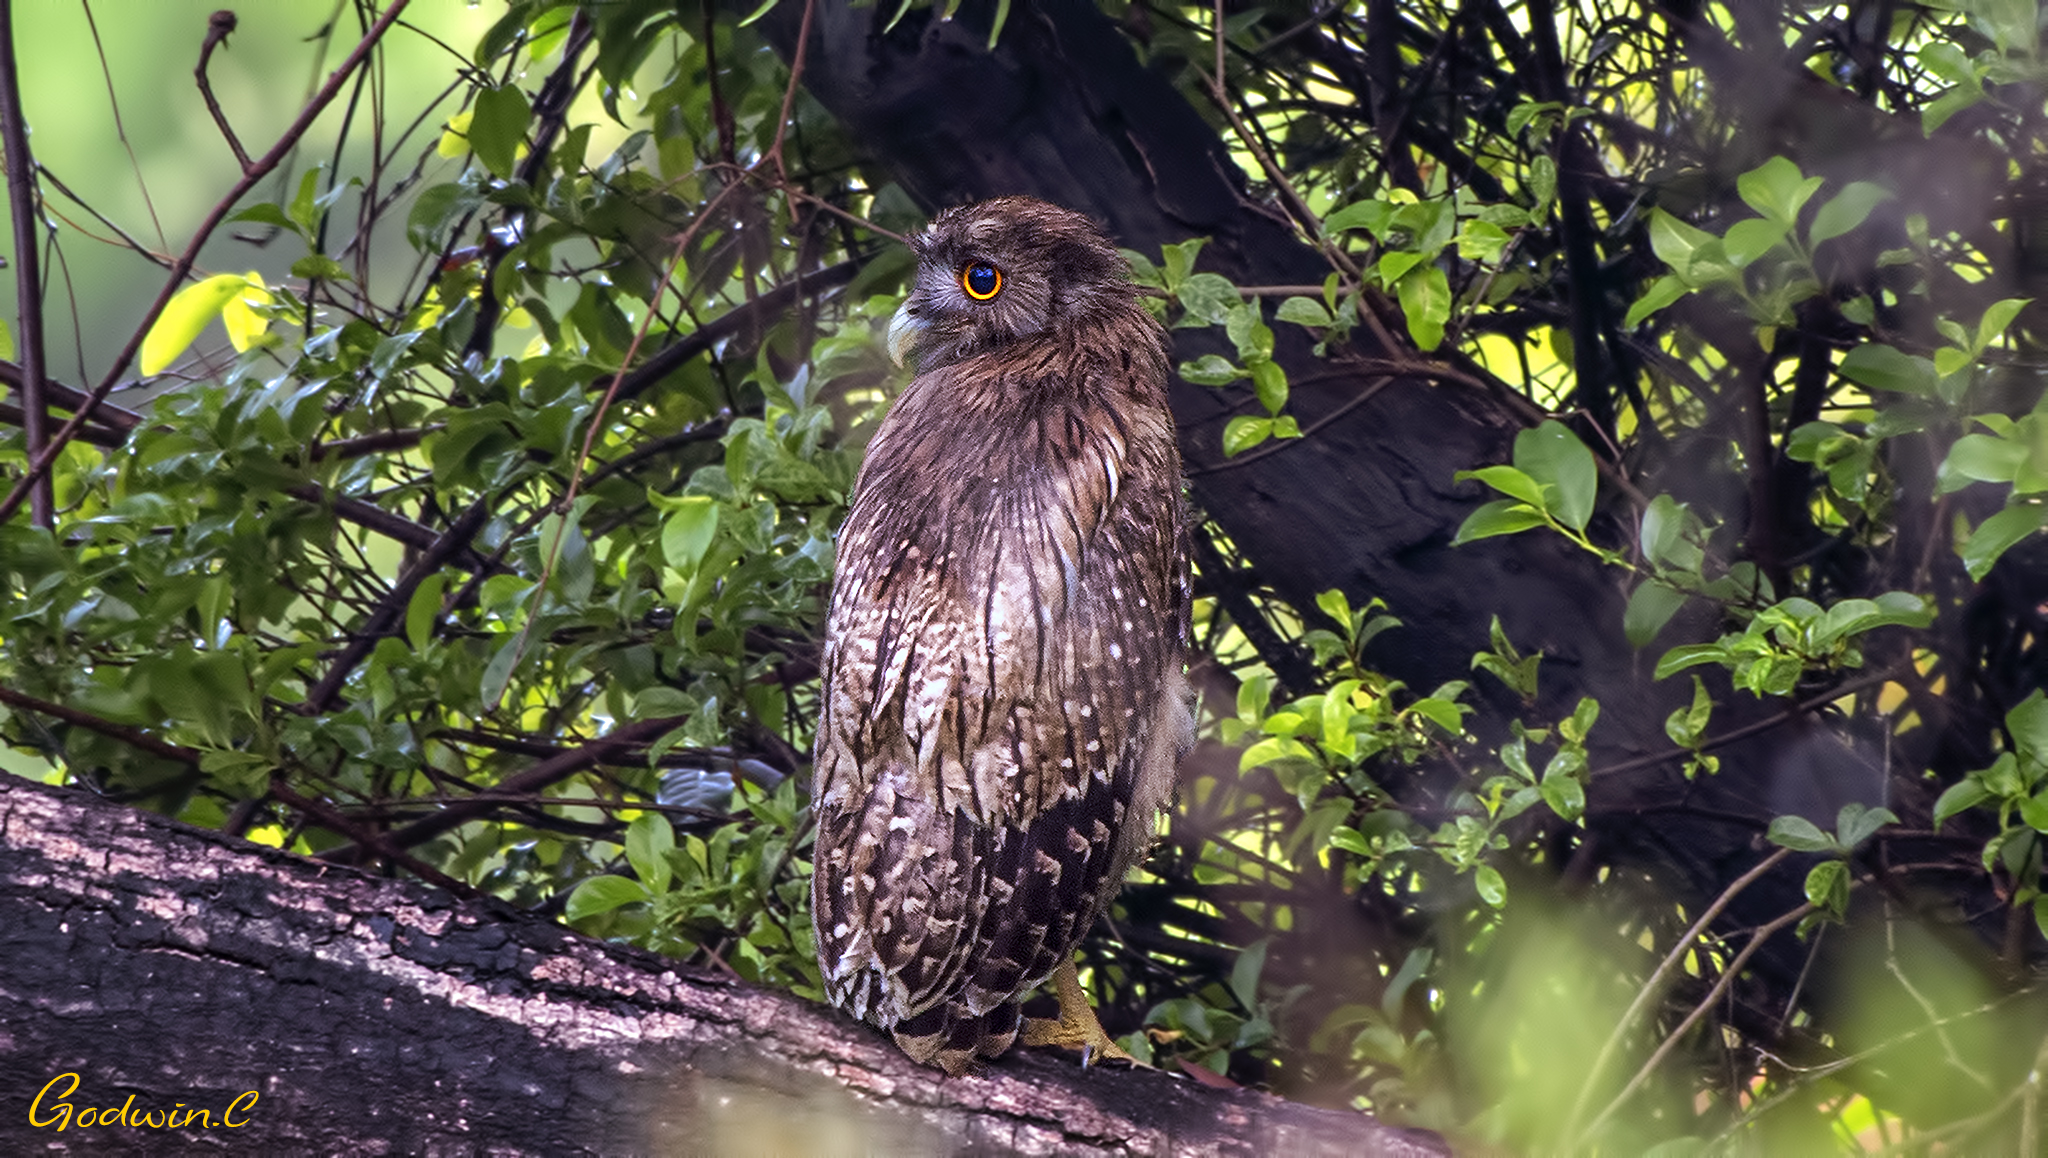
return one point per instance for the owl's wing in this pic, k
(1001, 675)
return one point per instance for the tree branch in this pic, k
(28, 281)
(391, 609)
(550, 771)
(463, 1026)
(218, 27)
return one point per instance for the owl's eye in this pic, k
(981, 280)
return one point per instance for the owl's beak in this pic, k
(904, 330)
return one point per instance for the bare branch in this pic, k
(28, 280)
(218, 26)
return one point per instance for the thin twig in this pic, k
(1699, 1011)
(218, 26)
(1653, 987)
(28, 281)
(121, 128)
(40, 464)
(517, 786)
(1746, 731)
(390, 613)
(341, 825)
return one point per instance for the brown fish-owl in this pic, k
(1004, 697)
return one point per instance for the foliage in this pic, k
(503, 563)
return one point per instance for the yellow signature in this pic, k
(63, 1115)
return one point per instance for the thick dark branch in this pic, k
(28, 280)
(133, 737)
(119, 418)
(16, 416)
(423, 1024)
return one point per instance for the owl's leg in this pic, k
(1077, 1027)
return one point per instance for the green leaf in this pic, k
(1935, 113)
(1997, 318)
(1845, 211)
(1394, 264)
(602, 895)
(268, 213)
(1304, 311)
(1690, 655)
(423, 609)
(498, 127)
(1687, 726)
(2028, 723)
(1244, 975)
(1425, 295)
(1211, 370)
(319, 267)
(1961, 796)
(1827, 886)
(1565, 795)
(1244, 432)
(435, 212)
(305, 209)
(1499, 517)
(1663, 531)
(1979, 458)
(1208, 299)
(184, 317)
(1856, 823)
(1675, 242)
(1882, 367)
(1180, 261)
(1370, 215)
(1662, 292)
(1799, 834)
(1552, 454)
(1492, 889)
(648, 841)
(1509, 481)
(1350, 840)
(1269, 380)
(1650, 607)
(687, 532)
(1997, 534)
(1482, 241)
(1542, 183)
(1334, 604)
(1776, 189)
(498, 672)
(1749, 240)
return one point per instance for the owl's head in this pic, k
(995, 271)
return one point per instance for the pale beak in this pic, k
(904, 330)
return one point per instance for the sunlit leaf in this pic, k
(184, 317)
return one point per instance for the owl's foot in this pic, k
(1077, 1027)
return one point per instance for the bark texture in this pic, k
(175, 969)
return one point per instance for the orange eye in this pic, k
(981, 280)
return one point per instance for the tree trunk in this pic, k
(150, 969)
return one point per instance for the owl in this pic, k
(1004, 701)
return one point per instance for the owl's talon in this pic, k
(1077, 1026)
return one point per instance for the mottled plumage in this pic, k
(1003, 693)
